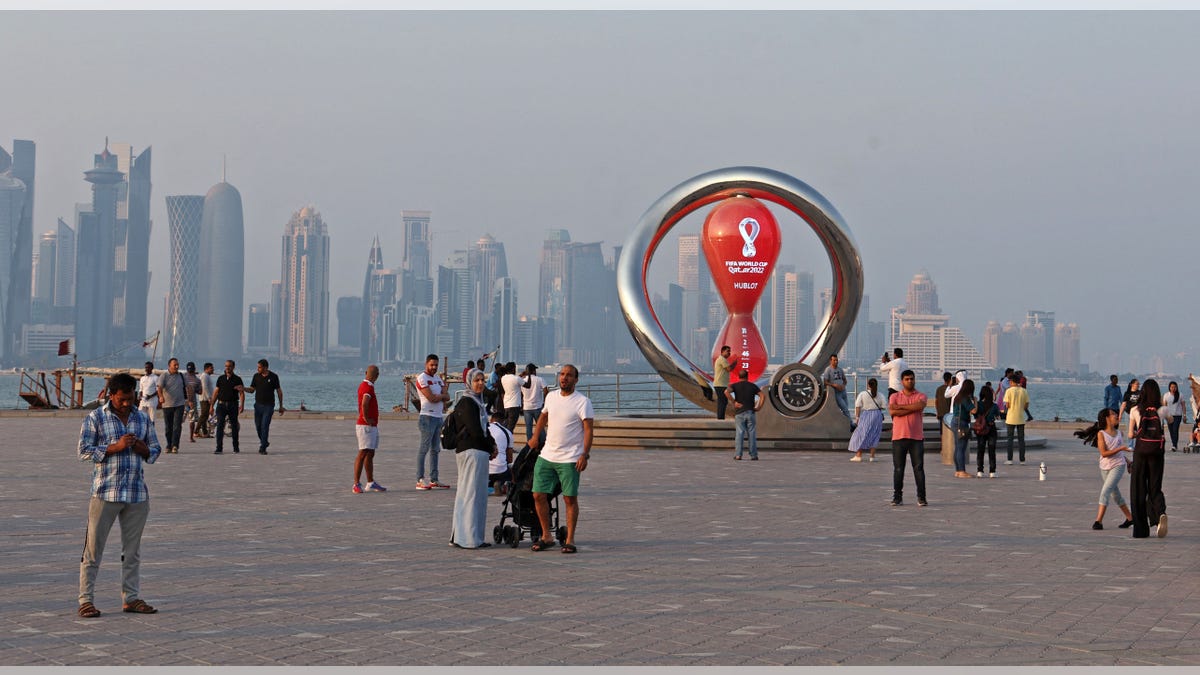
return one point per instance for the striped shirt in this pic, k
(117, 477)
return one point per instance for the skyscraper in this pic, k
(349, 313)
(417, 247)
(16, 243)
(94, 289)
(305, 291)
(1066, 348)
(456, 307)
(222, 268)
(258, 328)
(131, 241)
(182, 323)
(931, 346)
(503, 320)
(1044, 319)
(64, 274)
(487, 258)
(552, 281)
(45, 259)
(922, 295)
(370, 307)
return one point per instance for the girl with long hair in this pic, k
(1173, 407)
(1105, 436)
(1145, 491)
(960, 412)
(986, 410)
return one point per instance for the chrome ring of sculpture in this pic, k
(690, 380)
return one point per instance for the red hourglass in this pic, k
(741, 243)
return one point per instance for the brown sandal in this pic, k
(138, 607)
(88, 611)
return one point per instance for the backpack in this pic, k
(451, 431)
(1150, 427)
(982, 427)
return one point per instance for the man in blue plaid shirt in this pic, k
(118, 439)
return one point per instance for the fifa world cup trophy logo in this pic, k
(741, 244)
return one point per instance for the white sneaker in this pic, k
(872, 459)
(1022, 462)
(856, 458)
(1162, 526)
(992, 475)
(979, 474)
(1008, 462)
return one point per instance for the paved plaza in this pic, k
(686, 558)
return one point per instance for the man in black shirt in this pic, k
(747, 400)
(231, 400)
(264, 386)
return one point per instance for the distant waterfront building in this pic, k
(222, 269)
(275, 308)
(456, 308)
(1066, 348)
(932, 346)
(589, 307)
(502, 319)
(417, 243)
(991, 343)
(258, 328)
(182, 323)
(64, 274)
(305, 290)
(1033, 348)
(45, 258)
(371, 306)
(94, 275)
(131, 242)
(17, 179)
(489, 262)
(553, 281)
(350, 314)
(1044, 320)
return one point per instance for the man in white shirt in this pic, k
(533, 397)
(148, 392)
(433, 406)
(208, 384)
(892, 368)
(511, 384)
(567, 418)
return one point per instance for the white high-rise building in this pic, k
(305, 288)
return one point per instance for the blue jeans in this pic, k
(227, 410)
(431, 443)
(1112, 485)
(960, 448)
(173, 421)
(839, 395)
(745, 427)
(531, 418)
(262, 423)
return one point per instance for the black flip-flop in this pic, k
(569, 548)
(540, 545)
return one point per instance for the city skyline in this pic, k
(978, 190)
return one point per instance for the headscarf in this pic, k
(480, 404)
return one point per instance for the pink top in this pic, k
(908, 426)
(1113, 441)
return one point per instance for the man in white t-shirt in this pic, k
(148, 392)
(511, 384)
(567, 418)
(499, 475)
(433, 406)
(533, 397)
(892, 368)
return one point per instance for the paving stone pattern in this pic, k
(685, 558)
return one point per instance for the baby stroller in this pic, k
(519, 506)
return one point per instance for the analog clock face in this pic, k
(797, 391)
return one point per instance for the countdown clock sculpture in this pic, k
(741, 240)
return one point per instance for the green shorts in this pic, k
(548, 475)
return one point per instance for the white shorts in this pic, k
(368, 436)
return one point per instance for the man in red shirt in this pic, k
(367, 430)
(907, 408)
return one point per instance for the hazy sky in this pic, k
(1027, 160)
